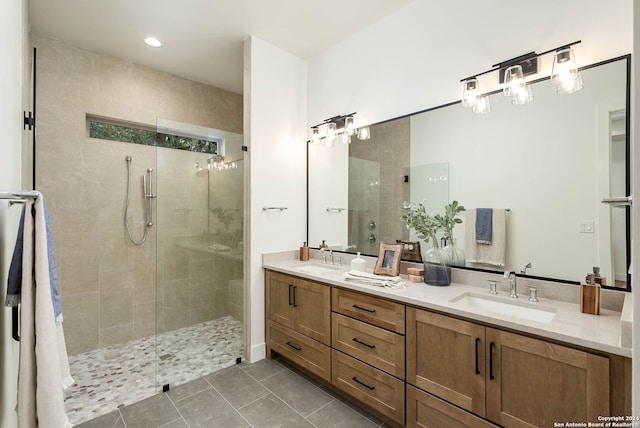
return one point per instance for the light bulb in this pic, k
(482, 105)
(331, 131)
(513, 81)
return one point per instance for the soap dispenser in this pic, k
(358, 263)
(590, 296)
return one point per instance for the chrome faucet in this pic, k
(331, 256)
(513, 288)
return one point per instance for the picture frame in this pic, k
(410, 251)
(389, 257)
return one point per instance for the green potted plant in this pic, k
(437, 262)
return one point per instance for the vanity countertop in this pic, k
(599, 332)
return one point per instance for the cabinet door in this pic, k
(312, 310)
(279, 298)
(531, 382)
(445, 357)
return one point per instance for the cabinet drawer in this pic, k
(302, 350)
(373, 345)
(425, 410)
(371, 386)
(373, 310)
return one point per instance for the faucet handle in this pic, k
(533, 294)
(493, 286)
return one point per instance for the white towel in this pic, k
(43, 371)
(372, 279)
(493, 254)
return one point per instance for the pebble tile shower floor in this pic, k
(117, 376)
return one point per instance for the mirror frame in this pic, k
(627, 209)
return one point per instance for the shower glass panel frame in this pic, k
(200, 312)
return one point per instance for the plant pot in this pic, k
(437, 268)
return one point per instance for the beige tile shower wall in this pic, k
(108, 285)
(389, 145)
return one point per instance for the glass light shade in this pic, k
(470, 92)
(363, 133)
(315, 135)
(331, 131)
(565, 73)
(349, 126)
(523, 96)
(482, 105)
(513, 81)
(345, 138)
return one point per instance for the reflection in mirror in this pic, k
(550, 162)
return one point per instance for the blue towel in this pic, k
(14, 281)
(484, 225)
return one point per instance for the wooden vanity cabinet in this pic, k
(445, 357)
(304, 306)
(525, 382)
(531, 382)
(427, 411)
(298, 324)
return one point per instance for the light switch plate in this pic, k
(585, 226)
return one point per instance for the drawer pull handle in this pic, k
(295, 305)
(355, 379)
(491, 376)
(290, 287)
(297, 348)
(355, 339)
(477, 366)
(371, 311)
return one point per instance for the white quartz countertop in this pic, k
(598, 332)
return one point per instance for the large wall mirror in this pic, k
(547, 164)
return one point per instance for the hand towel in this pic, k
(484, 226)
(14, 282)
(493, 254)
(43, 371)
(372, 279)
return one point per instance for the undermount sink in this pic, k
(316, 270)
(514, 308)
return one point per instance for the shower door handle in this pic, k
(15, 315)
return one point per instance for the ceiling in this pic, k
(203, 39)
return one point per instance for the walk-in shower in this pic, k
(169, 262)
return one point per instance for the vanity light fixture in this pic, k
(341, 127)
(153, 42)
(564, 73)
(217, 163)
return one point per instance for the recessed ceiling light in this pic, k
(153, 42)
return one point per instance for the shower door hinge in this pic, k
(29, 120)
(245, 148)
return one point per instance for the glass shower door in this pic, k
(200, 254)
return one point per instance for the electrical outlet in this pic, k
(585, 226)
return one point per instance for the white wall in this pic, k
(13, 42)
(275, 131)
(414, 58)
(11, 36)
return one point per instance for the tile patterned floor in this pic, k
(264, 394)
(117, 376)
